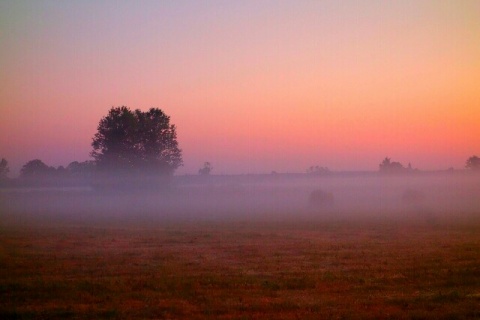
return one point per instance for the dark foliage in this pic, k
(135, 142)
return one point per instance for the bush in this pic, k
(412, 196)
(320, 199)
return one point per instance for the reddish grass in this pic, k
(241, 270)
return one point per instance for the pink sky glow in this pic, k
(252, 86)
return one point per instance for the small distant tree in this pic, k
(4, 170)
(473, 163)
(206, 169)
(388, 166)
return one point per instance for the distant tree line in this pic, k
(387, 166)
(132, 145)
(36, 172)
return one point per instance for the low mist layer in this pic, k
(426, 197)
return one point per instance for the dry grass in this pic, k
(241, 270)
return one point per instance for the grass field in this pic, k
(234, 269)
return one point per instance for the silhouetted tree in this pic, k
(205, 171)
(4, 170)
(473, 163)
(387, 166)
(136, 141)
(36, 169)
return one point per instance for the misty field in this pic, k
(383, 248)
(282, 269)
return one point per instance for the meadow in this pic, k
(258, 266)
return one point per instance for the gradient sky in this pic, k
(253, 86)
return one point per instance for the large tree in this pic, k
(136, 141)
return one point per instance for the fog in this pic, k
(423, 197)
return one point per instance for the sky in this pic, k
(252, 86)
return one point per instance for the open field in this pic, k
(241, 269)
(387, 248)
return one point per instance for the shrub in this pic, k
(412, 196)
(320, 199)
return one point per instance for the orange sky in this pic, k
(252, 86)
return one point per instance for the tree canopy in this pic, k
(136, 141)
